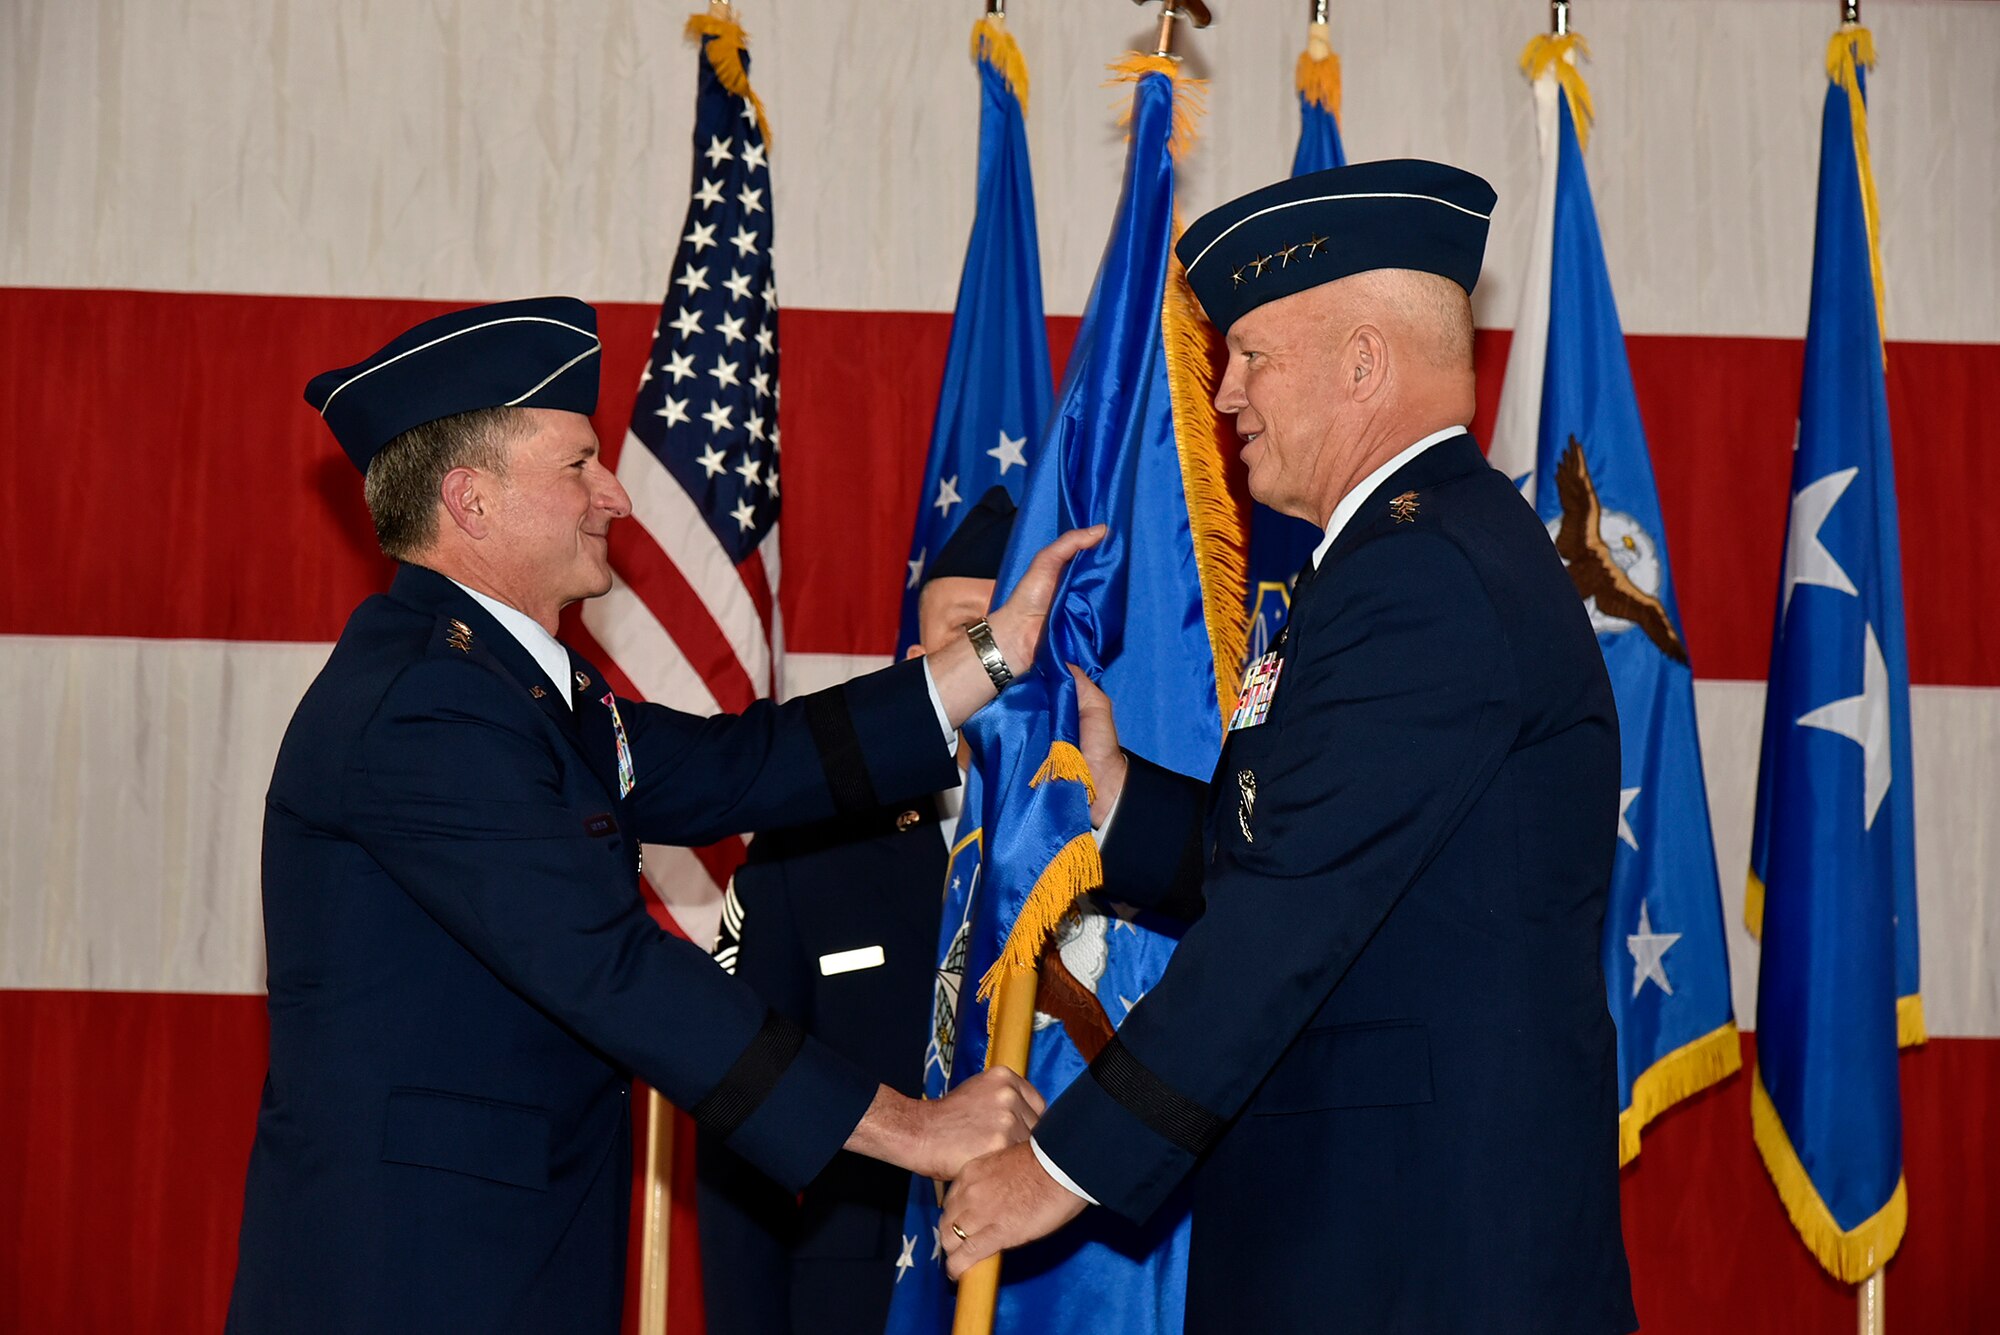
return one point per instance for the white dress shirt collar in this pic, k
(1358, 497)
(543, 647)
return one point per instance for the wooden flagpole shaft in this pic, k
(1870, 1318)
(1014, 1007)
(659, 1185)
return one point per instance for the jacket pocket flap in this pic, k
(502, 1142)
(1376, 1065)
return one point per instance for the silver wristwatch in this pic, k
(990, 656)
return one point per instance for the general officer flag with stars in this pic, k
(1279, 543)
(1569, 434)
(1134, 445)
(995, 400)
(1832, 861)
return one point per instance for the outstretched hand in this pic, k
(1002, 1201)
(1017, 623)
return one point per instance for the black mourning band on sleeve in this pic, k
(751, 1079)
(840, 756)
(1171, 1114)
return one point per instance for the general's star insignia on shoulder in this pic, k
(1403, 509)
(458, 635)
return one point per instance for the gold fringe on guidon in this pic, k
(1190, 95)
(1753, 905)
(1684, 1072)
(1065, 762)
(1910, 1030)
(1850, 1255)
(1548, 53)
(1318, 80)
(992, 43)
(1215, 511)
(725, 57)
(1073, 872)
(1851, 49)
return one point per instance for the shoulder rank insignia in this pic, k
(458, 635)
(1246, 784)
(1403, 509)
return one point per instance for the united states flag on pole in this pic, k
(692, 617)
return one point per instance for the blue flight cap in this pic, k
(974, 550)
(1299, 233)
(539, 353)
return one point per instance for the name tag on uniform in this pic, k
(1253, 697)
(847, 961)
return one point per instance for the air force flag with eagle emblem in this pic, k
(1569, 435)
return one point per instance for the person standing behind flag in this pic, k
(835, 925)
(1382, 1053)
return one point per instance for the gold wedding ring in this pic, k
(961, 1232)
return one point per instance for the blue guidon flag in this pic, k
(1133, 444)
(1833, 882)
(1280, 544)
(994, 403)
(1569, 435)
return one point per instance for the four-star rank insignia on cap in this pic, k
(1403, 509)
(458, 635)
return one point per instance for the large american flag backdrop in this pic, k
(204, 205)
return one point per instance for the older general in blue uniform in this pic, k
(1383, 1052)
(462, 978)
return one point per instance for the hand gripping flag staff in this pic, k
(1832, 861)
(1033, 973)
(1569, 434)
(1279, 543)
(691, 619)
(994, 403)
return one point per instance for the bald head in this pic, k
(1329, 383)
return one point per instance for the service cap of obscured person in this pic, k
(976, 546)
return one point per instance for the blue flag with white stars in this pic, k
(1833, 861)
(1280, 544)
(994, 403)
(1570, 434)
(1132, 444)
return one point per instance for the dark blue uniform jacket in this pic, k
(824, 1260)
(463, 979)
(1384, 1051)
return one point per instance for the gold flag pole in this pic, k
(658, 1221)
(1869, 1317)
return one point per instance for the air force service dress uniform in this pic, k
(836, 925)
(1383, 1051)
(462, 978)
